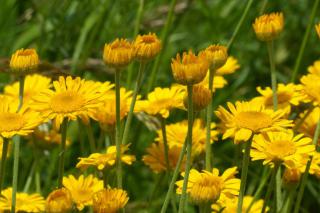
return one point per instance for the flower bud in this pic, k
(268, 27)
(119, 53)
(201, 97)
(24, 60)
(147, 46)
(59, 201)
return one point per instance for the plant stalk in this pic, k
(5, 147)
(63, 130)
(208, 125)
(270, 188)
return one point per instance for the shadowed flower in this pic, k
(147, 46)
(216, 56)
(268, 27)
(201, 97)
(1, 147)
(47, 138)
(310, 90)
(59, 201)
(229, 67)
(318, 29)
(308, 126)
(24, 60)
(109, 200)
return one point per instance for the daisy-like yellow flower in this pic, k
(161, 101)
(218, 82)
(59, 201)
(309, 124)
(315, 68)
(268, 27)
(317, 26)
(229, 67)
(109, 200)
(201, 97)
(16, 123)
(189, 68)
(24, 60)
(230, 205)
(205, 186)
(82, 189)
(216, 55)
(155, 157)
(310, 90)
(287, 95)
(71, 98)
(291, 176)
(24, 202)
(177, 132)
(280, 147)
(118, 53)
(33, 85)
(246, 118)
(147, 46)
(107, 159)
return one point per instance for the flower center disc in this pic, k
(253, 120)
(207, 189)
(282, 98)
(66, 102)
(10, 121)
(281, 149)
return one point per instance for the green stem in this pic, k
(263, 7)
(21, 91)
(118, 129)
(244, 173)
(208, 126)
(30, 176)
(289, 200)
(306, 172)
(91, 137)
(273, 76)
(189, 150)
(5, 147)
(63, 130)
(243, 17)
(164, 39)
(270, 188)
(165, 143)
(304, 41)
(133, 102)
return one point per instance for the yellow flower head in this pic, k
(315, 68)
(155, 157)
(119, 53)
(47, 138)
(82, 189)
(189, 69)
(147, 46)
(318, 29)
(216, 55)
(229, 67)
(309, 124)
(59, 201)
(201, 97)
(205, 186)
(107, 159)
(280, 147)
(246, 118)
(291, 176)
(109, 200)
(161, 101)
(177, 132)
(24, 202)
(71, 98)
(218, 82)
(24, 60)
(310, 90)
(267, 27)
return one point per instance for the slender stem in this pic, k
(300, 122)
(289, 200)
(133, 102)
(273, 76)
(21, 91)
(244, 173)
(105, 178)
(63, 130)
(270, 188)
(165, 142)
(30, 176)
(189, 150)
(208, 126)
(243, 17)
(118, 130)
(304, 41)
(263, 7)
(91, 138)
(306, 172)
(5, 147)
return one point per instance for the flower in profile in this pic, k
(24, 60)
(315, 68)
(291, 176)
(82, 189)
(318, 29)
(16, 123)
(147, 46)
(268, 27)
(33, 85)
(107, 159)
(109, 200)
(71, 98)
(59, 201)
(310, 90)
(207, 187)
(201, 97)
(216, 56)
(155, 157)
(246, 118)
(189, 68)
(119, 53)
(229, 67)
(280, 147)
(309, 124)
(24, 202)
(161, 101)
(218, 82)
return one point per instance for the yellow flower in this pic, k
(161, 101)
(109, 200)
(216, 55)
(310, 90)
(229, 67)
(119, 53)
(205, 186)
(267, 27)
(59, 201)
(218, 82)
(318, 29)
(301, 161)
(24, 202)
(177, 132)
(201, 97)
(106, 160)
(33, 85)
(280, 147)
(72, 98)
(309, 124)
(1, 146)
(47, 138)
(291, 176)
(247, 118)
(189, 69)
(315, 68)
(24, 60)
(147, 46)
(227, 205)
(82, 189)
(155, 157)
(16, 123)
